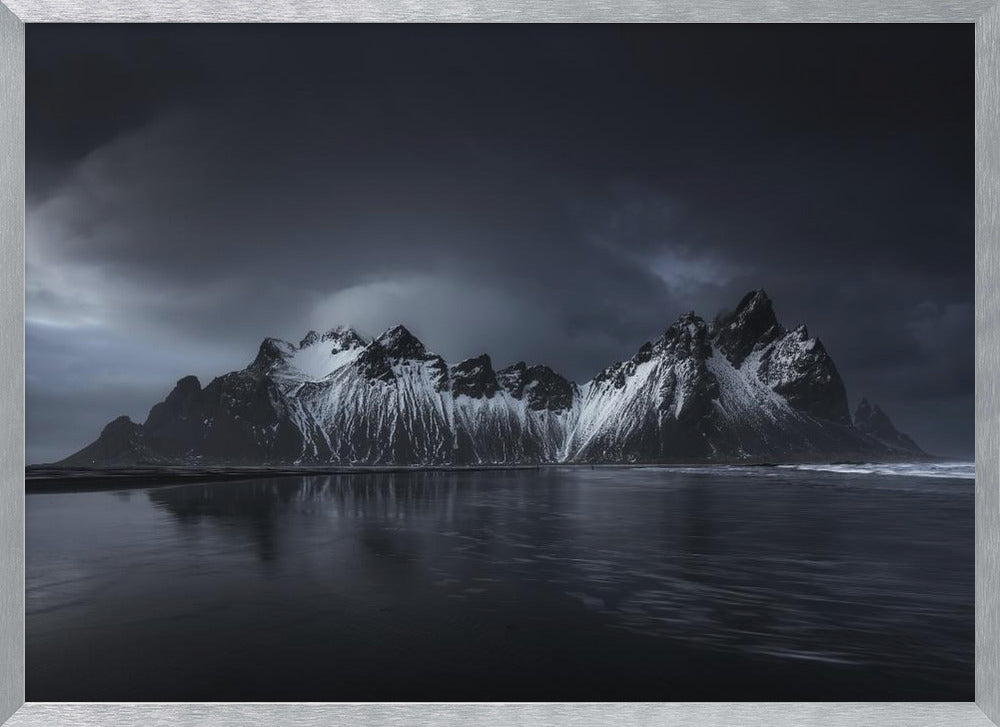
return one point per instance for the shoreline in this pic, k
(42, 479)
(60, 480)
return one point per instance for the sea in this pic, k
(562, 583)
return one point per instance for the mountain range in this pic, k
(739, 388)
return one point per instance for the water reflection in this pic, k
(461, 575)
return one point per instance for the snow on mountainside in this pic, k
(316, 356)
(740, 388)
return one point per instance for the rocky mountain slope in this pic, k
(871, 420)
(740, 388)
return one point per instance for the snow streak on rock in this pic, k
(741, 388)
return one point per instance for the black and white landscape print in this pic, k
(499, 363)
(741, 389)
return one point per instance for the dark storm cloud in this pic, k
(554, 194)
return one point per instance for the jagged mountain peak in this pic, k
(379, 359)
(512, 378)
(687, 336)
(185, 384)
(769, 393)
(690, 322)
(121, 443)
(871, 420)
(119, 423)
(751, 326)
(276, 346)
(272, 351)
(799, 340)
(316, 356)
(800, 369)
(185, 387)
(868, 413)
(520, 367)
(342, 338)
(539, 385)
(865, 409)
(755, 299)
(540, 371)
(474, 377)
(179, 402)
(482, 359)
(398, 342)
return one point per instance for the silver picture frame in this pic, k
(14, 712)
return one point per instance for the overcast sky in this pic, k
(552, 194)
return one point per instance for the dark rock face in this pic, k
(701, 393)
(542, 387)
(246, 418)
(399, 343)
(871, 420)
(656, 406)
(272, 351)
(374, 363)
(395, 347)
(791, 363)
(799, 368)
(174, 425)
(474, 377)
(121, 443)
(182, 403)
(689, 388)
(238, 418)
(742, 388)
(750, 327)
(311, 338)
(340, 338)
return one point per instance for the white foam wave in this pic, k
(939, 470)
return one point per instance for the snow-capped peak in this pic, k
(398, 342)
(396, 352)
(743, 387)
(316, 357)
(341, 338)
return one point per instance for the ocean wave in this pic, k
(939, 470)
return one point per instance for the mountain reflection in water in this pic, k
(560, 583)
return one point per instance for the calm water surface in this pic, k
(710, 583)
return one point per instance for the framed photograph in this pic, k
(618, 364)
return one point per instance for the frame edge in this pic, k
(12, 198)
(988, 363)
